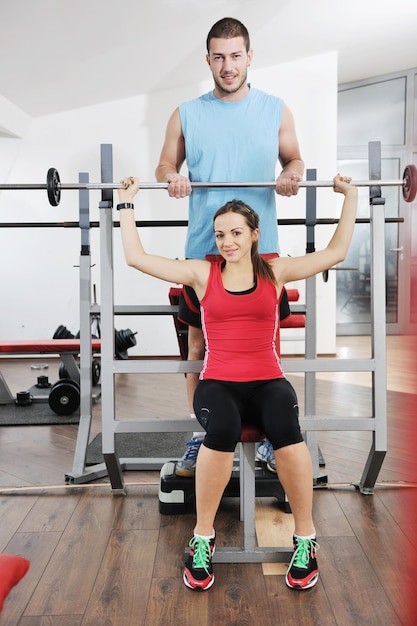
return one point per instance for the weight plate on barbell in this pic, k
(52, 186)
(63, 372)
(64, 397)
(95, 372)
(62, 332)
(410, 183)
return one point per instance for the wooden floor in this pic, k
(98, 559)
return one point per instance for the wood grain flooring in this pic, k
(100, 560)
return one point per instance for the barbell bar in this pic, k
(54, 186)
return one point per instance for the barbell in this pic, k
(54, 186)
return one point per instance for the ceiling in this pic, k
(57, 56)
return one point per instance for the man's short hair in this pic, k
(227, 28)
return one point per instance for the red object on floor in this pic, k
(12, 569)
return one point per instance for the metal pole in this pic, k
(107, 328)
(85, 337)
(195, 185)
(378, 327)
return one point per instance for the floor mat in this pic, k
(37, 413)
(141, 445)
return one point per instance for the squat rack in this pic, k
(311, 423)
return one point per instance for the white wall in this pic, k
(39, 278)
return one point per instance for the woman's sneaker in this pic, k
(198, 571)
(302, 572)
(265, 453)
(185, 466)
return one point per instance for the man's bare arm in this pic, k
(172, 158)
(289, 157)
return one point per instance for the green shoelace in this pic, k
(301, 555)
(202, 553)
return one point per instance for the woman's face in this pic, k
(234, 238)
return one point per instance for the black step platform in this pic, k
(177, 494)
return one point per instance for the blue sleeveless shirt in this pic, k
(231, 142)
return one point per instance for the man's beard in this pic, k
(233, 89)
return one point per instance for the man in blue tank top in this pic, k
(233, 134)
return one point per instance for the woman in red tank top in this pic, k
(242, 379)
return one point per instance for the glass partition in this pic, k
(374, 112)
(353, 275)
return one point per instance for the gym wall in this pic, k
(39, 278)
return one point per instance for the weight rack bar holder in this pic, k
(311, 423)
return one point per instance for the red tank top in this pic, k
(240, 331)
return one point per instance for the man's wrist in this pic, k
(125, 205)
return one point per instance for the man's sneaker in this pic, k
(302, 572)
(186, 465)
(265, 453)
(198, 571)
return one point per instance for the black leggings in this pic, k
(222, 408)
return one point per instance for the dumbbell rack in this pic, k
(310, 423)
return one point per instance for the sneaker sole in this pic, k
(188, 584)
(313, 582)
(270, 468)
(183, 473)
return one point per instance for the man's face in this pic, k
(228, 61)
